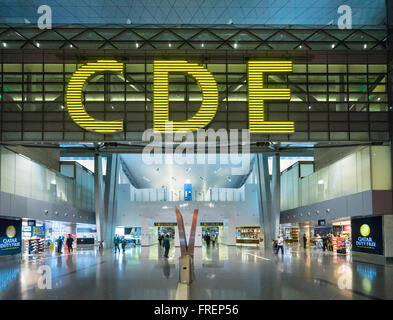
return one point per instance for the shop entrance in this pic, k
(164, 229)
(211, 233)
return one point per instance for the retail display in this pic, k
(291, 234)
(34, 246)
(339, 244)
(248, 235)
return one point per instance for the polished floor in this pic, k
(221, 272)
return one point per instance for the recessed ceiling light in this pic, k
(4, 44)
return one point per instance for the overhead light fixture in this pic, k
(309, 107)
(235, 45)
(38, 44)
(333, 45)
(202, 45)
(4, 44)
(70, 45)
(300, 46)
(320, 181)
(365, 46)
(146, 179)
(170, 45)
(137, 45)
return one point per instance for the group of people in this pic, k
(69, 243)
(210, 238)
(120, 241)
(325, 242)
(165, 242)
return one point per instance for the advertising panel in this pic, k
(10, 237)
(39, 232)
(367, 235)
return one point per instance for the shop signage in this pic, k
(212, 224)
(322, 222)
(38, 232)
(165, 224)
(10, 236)
(367, 235)
(257, 94)
(31, 223)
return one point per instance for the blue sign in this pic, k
(10, 237)
(187, 192)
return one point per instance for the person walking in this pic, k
(213, 239)
(304, 241)
(59, 244)
(69, 242)
(324, 242)
(280, 245)
(123, 244)
(160, 239)
(166, 245)
(116, 242)
(207, 239)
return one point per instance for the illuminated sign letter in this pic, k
(74, 97)
(209, 88)
(257, 94)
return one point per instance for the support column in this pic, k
(276, 195)
(269, 197)
(98, 198)
(264, 198)
(110, 199)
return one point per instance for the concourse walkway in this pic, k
(221, 273)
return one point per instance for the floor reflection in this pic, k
(221, 272)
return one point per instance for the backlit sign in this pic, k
(367, 235)
(257, 95)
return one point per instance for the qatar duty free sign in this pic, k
(367, 235)
(10, 237)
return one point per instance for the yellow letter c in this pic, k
(75, 106)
